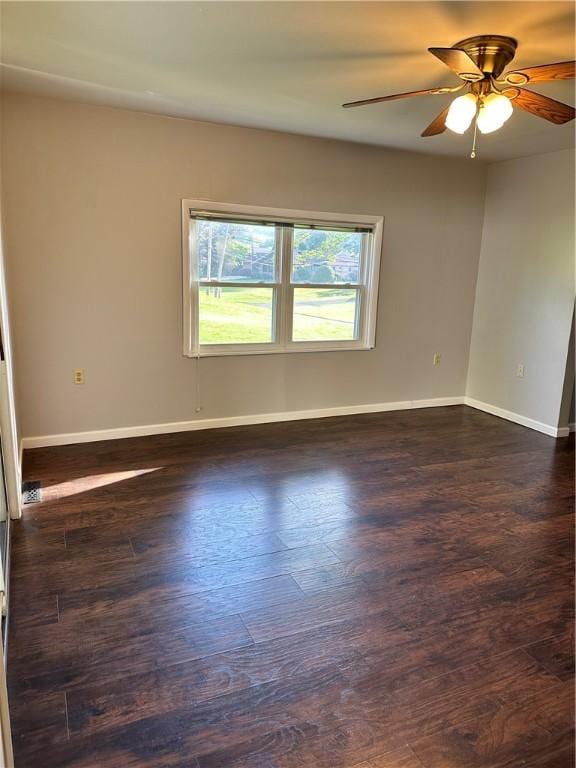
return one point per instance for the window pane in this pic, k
(235, 315)
(236, 252)
(324, 314)
(321, 256)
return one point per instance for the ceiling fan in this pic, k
(479, 62)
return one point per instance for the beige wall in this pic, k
(525, 291)
(92, 198)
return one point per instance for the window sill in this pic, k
(253, 349)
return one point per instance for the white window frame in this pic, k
(367, 285)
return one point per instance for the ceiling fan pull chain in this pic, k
(473, 153)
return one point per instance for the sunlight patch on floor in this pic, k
(92, 482)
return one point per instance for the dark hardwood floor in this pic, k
(381, 591)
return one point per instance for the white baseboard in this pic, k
(71, 438)
(232, 421)
(565, 431)
(517, 418)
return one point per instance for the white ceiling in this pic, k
(284, 65)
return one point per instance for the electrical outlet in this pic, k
(437, 358)
(79, 376)
(520, 371)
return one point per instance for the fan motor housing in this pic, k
(491, 53)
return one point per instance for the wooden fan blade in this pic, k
(563, 70)
(438, 125)
(459, 62)
(425, 92)
(541, 106)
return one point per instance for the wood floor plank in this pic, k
(39, 719)
(518, 733)
(556, 654)
(386, 590)
(364, 722)
(401, 758)
(327, 577)
(337, 605)
(563, 757)
(62, 659)
(215, 725)
(215, 676)
(29, 609)
(386, 721)
(134, 608)
(88, 581)
(152, 546)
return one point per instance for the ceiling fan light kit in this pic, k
(495, 109)
(461, 113)
(479, 62)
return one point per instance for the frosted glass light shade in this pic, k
(461, 113)
(494, 111)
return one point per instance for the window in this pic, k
(260, 280)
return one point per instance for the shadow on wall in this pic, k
(567, 407)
